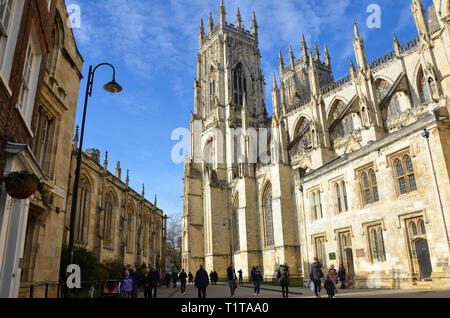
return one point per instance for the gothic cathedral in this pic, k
(354, 171)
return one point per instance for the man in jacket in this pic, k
(231, 273)
(183, 278)
(201, 282)
(174, 279)
(283, 277)
(153, 281)
(316, 275)
(145, 281)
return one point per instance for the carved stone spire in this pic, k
(244, 114)
(222, 14)
(143, 191)
(127, 179)
(291, 57)
(280, 62)
(304, 49)
(105, 162)
(316, 52)
(239, 19)
(210, 24)
(75, 137)
(118, 172)
(254, 26)
(327, 56)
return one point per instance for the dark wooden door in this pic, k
(423, 257)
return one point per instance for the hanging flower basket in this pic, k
(22, 185)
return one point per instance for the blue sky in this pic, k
(153, 44)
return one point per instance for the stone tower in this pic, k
(229, 97)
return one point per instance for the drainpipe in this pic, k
(426, 135)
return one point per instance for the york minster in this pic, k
(360, 166)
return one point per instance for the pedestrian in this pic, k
(182, 279)
(329, 286)
(316, 275)
(201, 282)
(153, 282)
(136, 282)
(126, 268)
(191, 278)
(167, 279)
(341, 275)
(333, 275)
(127, 285)
(257, 279)
(216, 277)
(211, 277)
(174, 279)
(231, 273)
(240, 277)
(283, 277)
(252, 271)
(146, 282)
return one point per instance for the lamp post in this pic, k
(112, 87)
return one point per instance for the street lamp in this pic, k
(112, 87)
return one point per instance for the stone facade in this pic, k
(353, 178)
(113, 220)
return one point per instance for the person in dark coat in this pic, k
(168, 278)
(146, 284)
(183, 277)
(174, 279)
(201, 282)
(240, 277)
(211, 277)
(136, 281)
(257, 279)
(316, 275)
(341, 275)
(283, 277)
(215, 277)
(231, 273)
(191, 278)
(153, 281)
(329, 287)
(251, 273)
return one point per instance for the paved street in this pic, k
(222, 291)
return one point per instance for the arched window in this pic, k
(268, 215)
(108, 234)
(376, 242)
(383, 87)
(303, 129)
(208, 153)
(130, 228)
(346, 127)
(316, 208)
(337, 110)
(56, 42)
(424, 91)
(422, 227)
(394, 107)
(82, 218)
(320, 249)
(212, 95)
(414, 228)
(235, 221)
(405, 174)
(338, 196)
(344, 190)
(369, 186)
(239, 85)
(146, 229)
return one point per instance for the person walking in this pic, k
(136, 282)
(182, 279)
(211, 277)
(329, 286)
(153, 282)
(174, 279)
(146, 282)
(201, 282)
(341, 275)
(231, 273)
(283, 277)
(191, 278)
(240, 277)
(215, 278)
(257, 279)
(316, 276)
(127, 285)
(333, 276)
(168, 278)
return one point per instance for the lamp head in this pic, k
(113, 87)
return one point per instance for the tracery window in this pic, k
(404, 172)
(394, 107)
(319, 246)
(424, 91)
(82, 218)
(268, 215)
(383, 87)
(339, 108)
(369, 186)
(341, 196)
(303, 129)
(316, 204)
(376, 243)
(108, 220)
(239, 85)
(346, 127)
